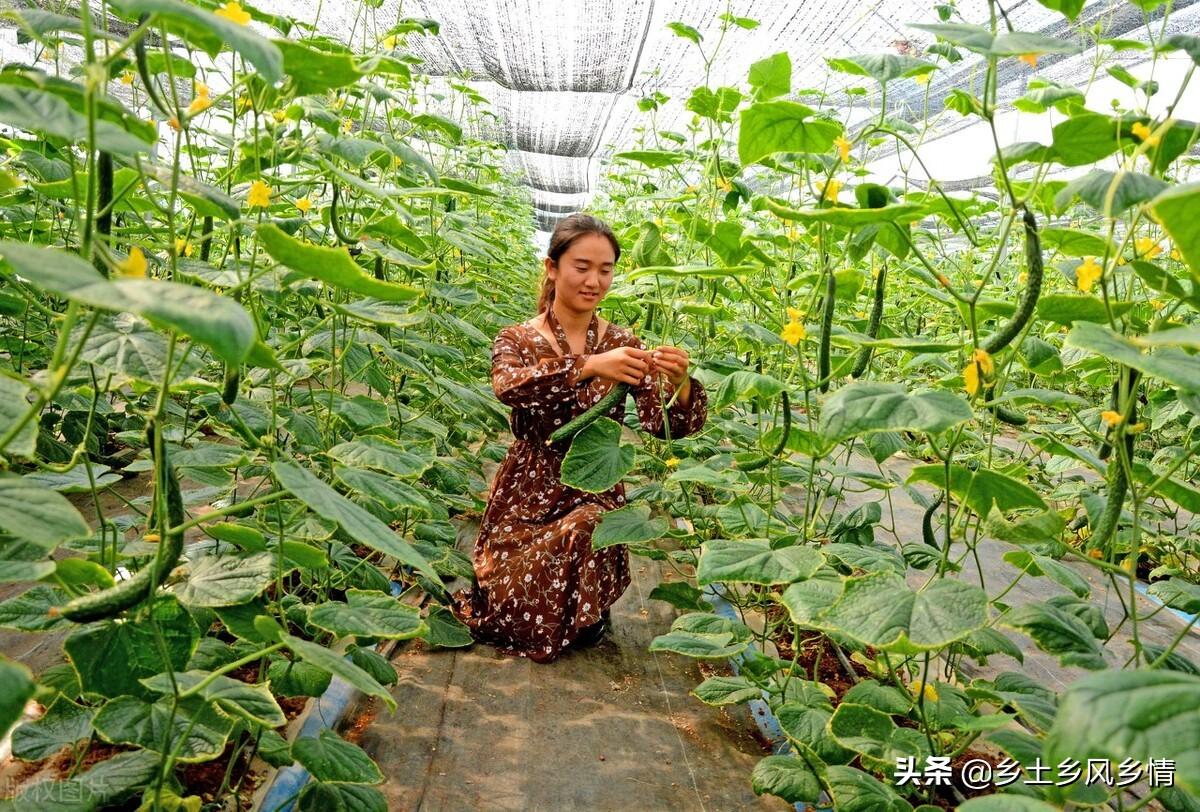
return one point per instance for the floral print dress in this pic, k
(538, 581)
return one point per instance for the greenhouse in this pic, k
(658, 405)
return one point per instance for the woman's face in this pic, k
(583, 273)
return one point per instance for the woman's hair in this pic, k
(568, 230)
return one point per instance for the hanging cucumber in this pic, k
(229, 390)
(355, 248)
(1111, 515)
(762, 461)
(927, 522)
(104, 199)
(864, 355)
(139, 51)
(603, 406)
(826, 329)
(379, 267)
(1006, 415)
(132, 591)
(206, 238)
(1029, 298)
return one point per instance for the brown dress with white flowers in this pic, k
(538, 581)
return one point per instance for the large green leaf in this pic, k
(354, 520)
(653, 158)
(883, 68)
(313, 70)
(445, 630)
(1068, 308)
(130, 348)
(856, 791)
(848, 216)
(384, 455)
(215, 581)
(597, 459)
(628, 525)
(808, 599)
(339, 666)
(771, 76)
(16, 686)
(783, 126)
(38, 515)
(1110, 193)
(882, 611)
(14, 404)
(787, 777)
(93, 650)
(368, 614)
(1175, 209)
(193, 730)
(211, 33)
(35, 110)
(329, 757)
(980, 489)
(333, 266)
(251, 701)
(1057, 632)
(720, 690)
(64, 723)
(744, 385)
(752, 561)
(864, 407)
(704, 636)
(1136, 714)
(105, 784)
(1172, 365)
(390, 491)
(319, 796)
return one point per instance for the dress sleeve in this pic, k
(684, 420)
(516, 384)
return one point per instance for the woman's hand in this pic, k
(672, 362)
(624, 364)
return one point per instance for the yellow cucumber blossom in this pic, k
(793, 333)
(303, 204)
(1147, 247)
(1110, 417)
(671, 462)
(919, 687)
(1029, 59)
(259, 195)
(1145, 134)
(830, 190)
(843, 147)
(1087, 274)
(233, 12)
(182, 247)
(133, 265)
(923, 78)
(127, 77)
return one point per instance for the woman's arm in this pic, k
(517, 384)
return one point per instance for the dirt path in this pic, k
(606, 728)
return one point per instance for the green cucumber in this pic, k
(864, 355)
(139, 51)
(132, 591)
(104, 200)
(1111, 515)
(206, 238)
(927, 522)
(762, 461)
(1033, 257)
(1006, 415)
(355, 248)
(826, 331)
(229, 391)
(603, 406)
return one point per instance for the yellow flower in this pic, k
(1029, 59)
(794, 314)
(133, 265)
(984, 359)
(1157, 304)
(278, 115)
(174, 122)
(971, 380)
(1135, 428)
(923, 78)
(1023, 277)
(724, 185)
(1147, 247)
(259, 194)
(233, 12)
(339, 103)
(1175, 255)
(830, 190)
(390, 42)
(1087, 274)
(303, 204)
(127, 77)
(671, 462)
(793, 333)
(241, 104)
(347, 125)
(919, 686)
(1128, 563)
(1110, 417)
(843, 147)
(199, 105)
(182, 247)
(1145, 134)
(199, 88)
(691, 189)
(152, 538)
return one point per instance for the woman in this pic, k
(539, 585)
